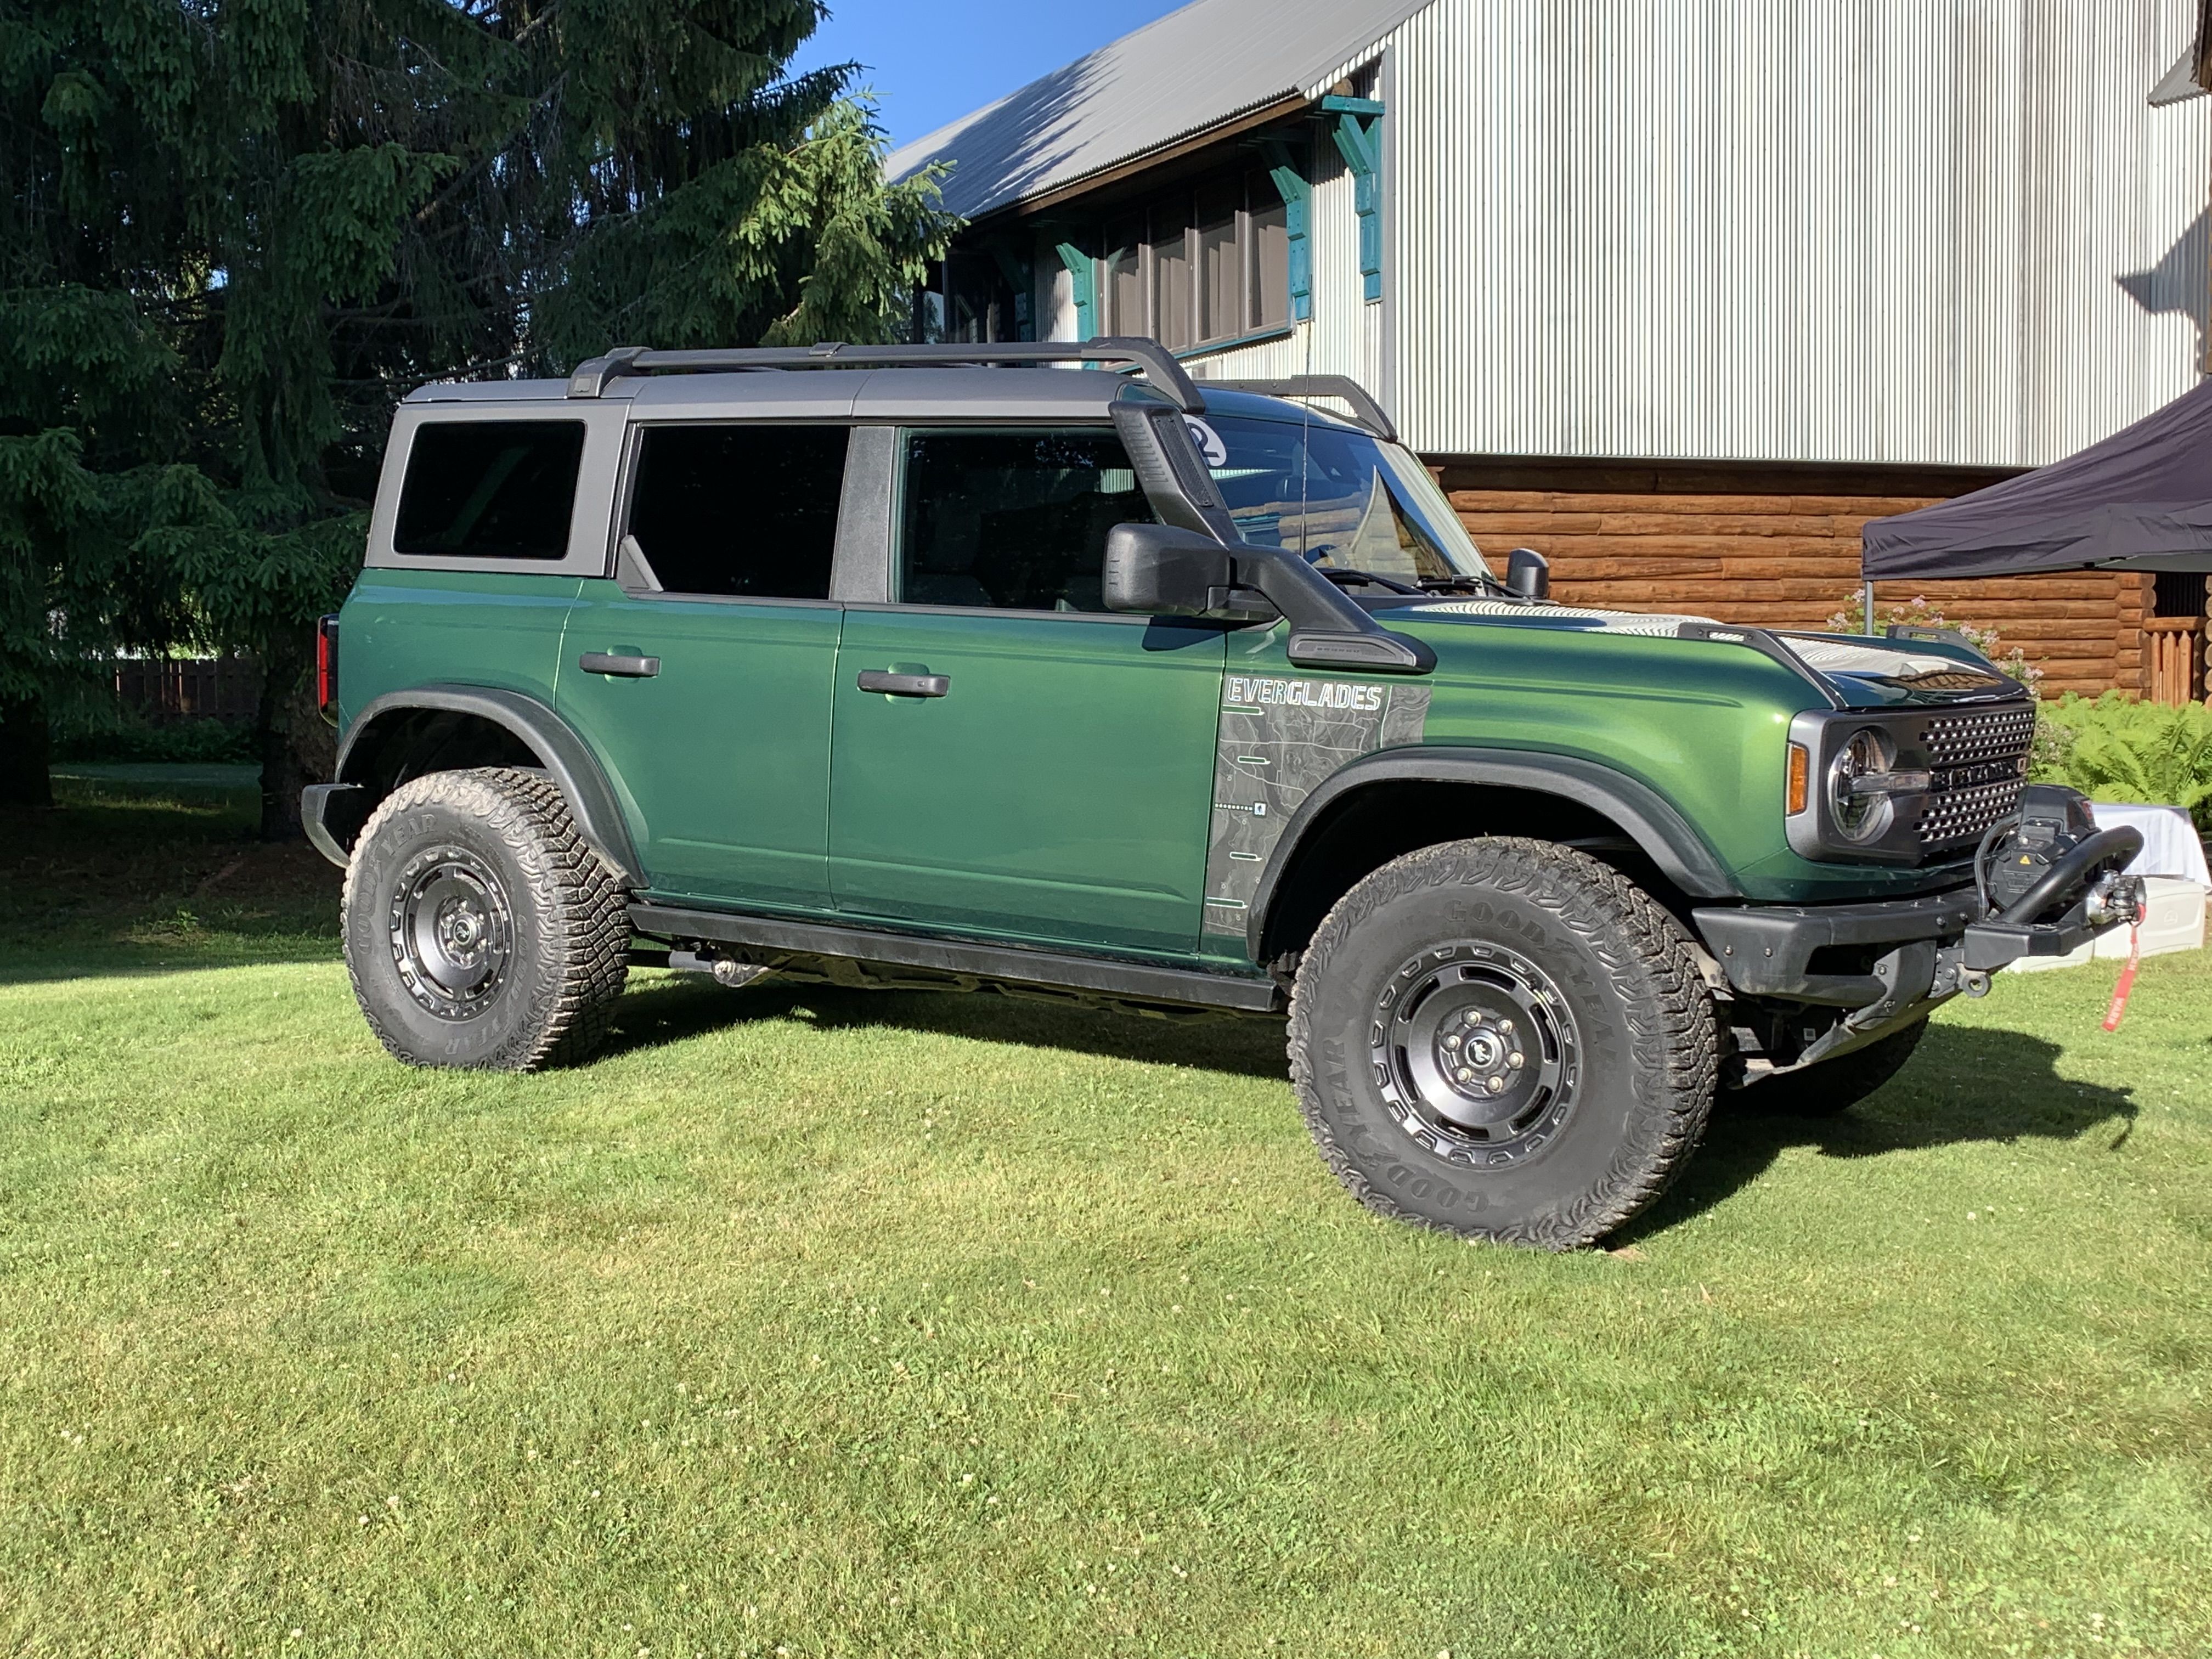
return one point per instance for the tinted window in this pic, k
(489, 490)
(1016, 520)
(748, 510)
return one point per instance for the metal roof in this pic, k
(1192, 69)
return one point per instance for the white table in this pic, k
(2171, 844)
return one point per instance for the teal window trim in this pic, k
(1083, 272)
(1298, 224)
(1357, 130)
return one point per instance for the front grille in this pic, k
(1986, 735)
(1979, 758)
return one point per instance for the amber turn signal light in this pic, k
(1801, 776)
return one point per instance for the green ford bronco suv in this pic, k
(959, 666)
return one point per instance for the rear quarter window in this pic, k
(489, 490)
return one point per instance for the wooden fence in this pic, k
(163, 689)
(2173, 659)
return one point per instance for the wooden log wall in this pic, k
(1779, 547)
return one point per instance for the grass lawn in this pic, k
(812, 1322)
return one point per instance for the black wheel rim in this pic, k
(453, 931)
(1476, 1053)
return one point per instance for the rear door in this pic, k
(487, 515)
(702, 672)
(1039, 767)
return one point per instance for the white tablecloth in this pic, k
(2170, 845)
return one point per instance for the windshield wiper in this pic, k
(1345, 578)
(1473, 583)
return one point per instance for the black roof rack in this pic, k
(1366, 411)
(1158, 364)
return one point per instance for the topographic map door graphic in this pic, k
(1277, 739)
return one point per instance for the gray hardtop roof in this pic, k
(930, 393)
(881, 394)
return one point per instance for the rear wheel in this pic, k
(481, 930)
(1836, 1086)
(1502, 1038)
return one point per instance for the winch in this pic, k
(2049, 878)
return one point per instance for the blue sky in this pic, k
(930, 62)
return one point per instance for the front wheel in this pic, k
(481, 930)
(1503, 1038)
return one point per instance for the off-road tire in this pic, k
(506, 835)
(1579, 947)
(1830, 1086)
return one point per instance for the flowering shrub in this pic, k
(1919, 613)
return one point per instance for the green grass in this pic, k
(846, 1323)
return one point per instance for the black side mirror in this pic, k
(1529, 574)
(1158, 570)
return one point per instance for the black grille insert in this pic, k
(1980, 762)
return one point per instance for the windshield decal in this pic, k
(1208, 441)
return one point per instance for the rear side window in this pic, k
(489, 490)
(1014, 520)
(745, 511)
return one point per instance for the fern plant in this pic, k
(2112, 749)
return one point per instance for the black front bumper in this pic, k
(1890, 962)
(1767, 950)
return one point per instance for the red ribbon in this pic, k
(2118, 1011)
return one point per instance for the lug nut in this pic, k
(1515, 1061)
(1452, 1041)
(1497, 1085)
(1464, 1075)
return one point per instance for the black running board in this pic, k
(1098, 976)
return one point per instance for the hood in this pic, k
(1862, 672)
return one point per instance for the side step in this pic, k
(961, 959)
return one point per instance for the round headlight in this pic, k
(1861, 816)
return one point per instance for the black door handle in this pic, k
(905, 685)
(628, 668)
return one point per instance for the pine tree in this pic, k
(235, 234)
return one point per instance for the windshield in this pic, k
(1339, 498)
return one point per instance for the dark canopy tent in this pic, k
(2142, 499)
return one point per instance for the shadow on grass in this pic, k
(657, 1012)
(1965, 1083)
(127, 882)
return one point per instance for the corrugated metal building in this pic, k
(1679, 292)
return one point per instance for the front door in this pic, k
(708, 697)
(1033, 766)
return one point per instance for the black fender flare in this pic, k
(567, 759)
(1644, 815)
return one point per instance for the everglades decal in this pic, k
(1278, 740)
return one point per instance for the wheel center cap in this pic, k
(464, 927)
(1480, 1054)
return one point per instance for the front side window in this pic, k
(1013, 520)
(739, 510)
(1341, 499)
(488, 490)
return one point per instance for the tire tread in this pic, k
(1672, 1013)
(583, 903)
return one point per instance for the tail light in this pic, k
(326, 668)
